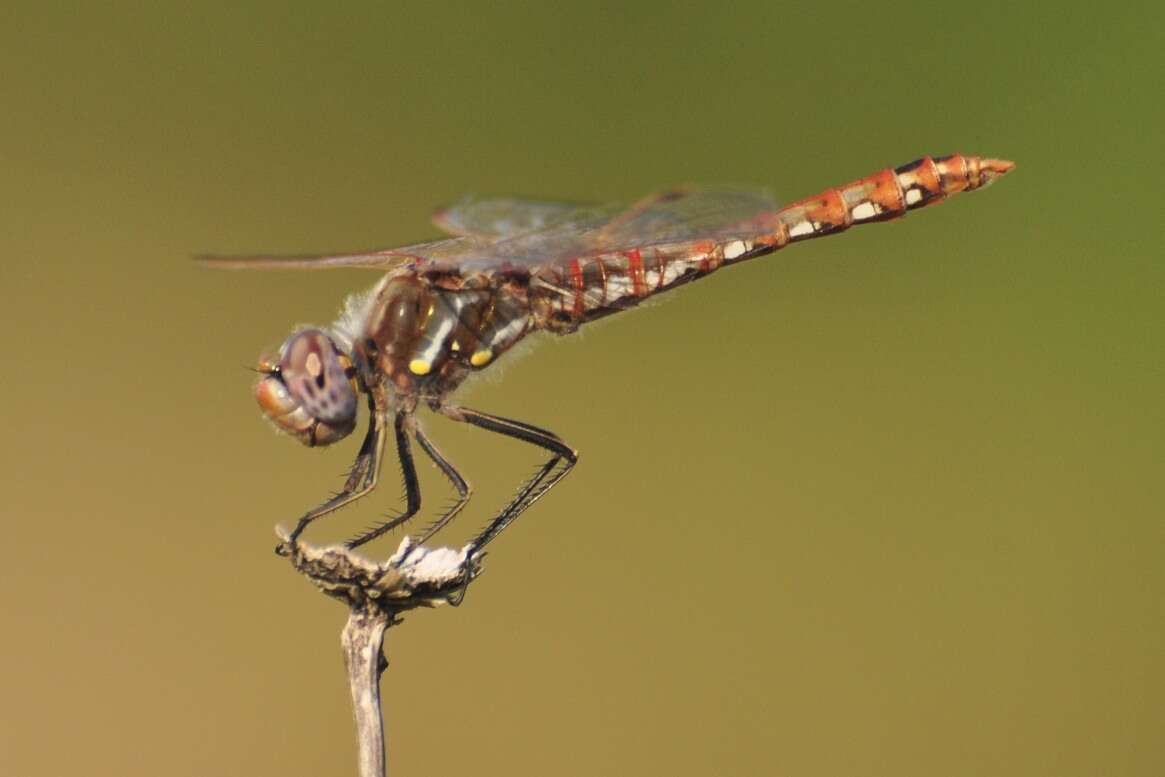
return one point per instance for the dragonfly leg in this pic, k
(412, 486)
(463, 489)
(362, 478)
(561, 462)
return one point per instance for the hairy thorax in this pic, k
(426, 332)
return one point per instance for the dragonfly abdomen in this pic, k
(590, 287)
(886, 194)
(565, 295)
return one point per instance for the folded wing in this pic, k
(510, 232)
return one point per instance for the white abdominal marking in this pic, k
(802, 228)
(735, 249)
(618, 286)
(864, 211)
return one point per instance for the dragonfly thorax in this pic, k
(427, 332)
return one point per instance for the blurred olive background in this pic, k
(887, 503)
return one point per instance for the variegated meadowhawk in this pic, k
(452, 307)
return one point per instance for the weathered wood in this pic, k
(376, 594)
(363, 639)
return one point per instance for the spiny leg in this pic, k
(463, 489)
(361, 480)
(412, 486)
(546, 478)
(551, 472)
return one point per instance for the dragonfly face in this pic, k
(311, 391)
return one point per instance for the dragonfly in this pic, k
(446, 309)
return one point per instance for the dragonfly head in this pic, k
(310, 390)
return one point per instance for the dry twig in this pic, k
(376, 595)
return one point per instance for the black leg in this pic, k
(463, 489)
(362, 478)
(547, 477)
(412, 487)
(555, 469)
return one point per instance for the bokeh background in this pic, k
(887, 503)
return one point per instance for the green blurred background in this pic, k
(887, 503)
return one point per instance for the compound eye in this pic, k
(316, 375)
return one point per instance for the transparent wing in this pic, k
(497, 217)
(382, 259)
(550, 233)
(668, 217)
(690, 214)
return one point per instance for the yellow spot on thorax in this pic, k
(419, 367)
(481, 358)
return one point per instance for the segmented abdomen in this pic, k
(888, 194)
(590, 287)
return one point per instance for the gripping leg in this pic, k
(412, 486)
(561, 462)
(362, 478)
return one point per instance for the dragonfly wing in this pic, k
(509, 232)
(381, 259)
(498, 217)
(667, 217)
(689, 214)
